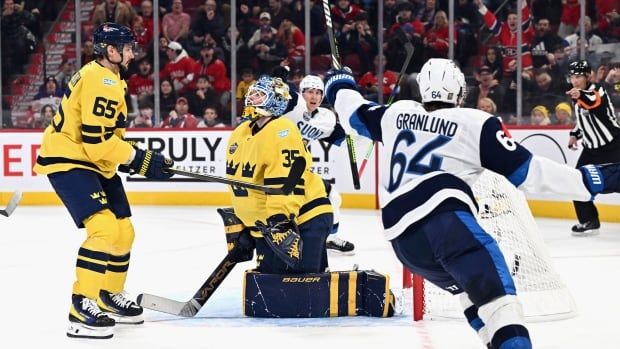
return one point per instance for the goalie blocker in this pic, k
(343, 293)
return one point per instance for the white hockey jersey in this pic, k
(321, 124)
(430, 160)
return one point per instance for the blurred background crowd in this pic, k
(200, 85)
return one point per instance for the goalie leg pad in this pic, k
(344, 293)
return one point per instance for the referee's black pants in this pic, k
(586, 211)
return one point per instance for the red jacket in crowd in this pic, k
(216, 72)
(508, 39)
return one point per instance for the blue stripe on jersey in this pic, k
(370, 115)
(491, 246)
(420, 194)
(359, 126)
(501, 154)
(519, 176)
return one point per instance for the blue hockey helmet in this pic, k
(269, 97)
(111, 34)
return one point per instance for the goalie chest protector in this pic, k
(342, 293)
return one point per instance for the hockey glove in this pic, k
(601, 178)
(151, 164)
(336, 80)
(238, 239)
(280, 72)
(282, 236)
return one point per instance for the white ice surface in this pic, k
(176, 248)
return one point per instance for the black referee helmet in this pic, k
(581, 67)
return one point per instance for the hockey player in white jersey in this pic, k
(431, 156)
(318, 123)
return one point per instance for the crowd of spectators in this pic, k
(195, 49)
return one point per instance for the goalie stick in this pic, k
(297, 170)
(400, 35)
(12, 205)
(336, 65)
(192, 306)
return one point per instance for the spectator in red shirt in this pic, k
(570, 17)
(215, 69)
(146, 12)
(369, 84)
(293, 39)
(413, 29)
(143, 37)
(404, 18)
(436, 38)
(344, 12)
(608, 19)
(506, 34)
(180, 116)
(141, 84)
(181, 68)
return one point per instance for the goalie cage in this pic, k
(505, 215)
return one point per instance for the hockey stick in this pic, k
(409, 49)
(12, 205)
(333, 45)
(297, 170)
(192, 306)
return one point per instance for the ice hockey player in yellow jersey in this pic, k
(80, 153)
(261, 150)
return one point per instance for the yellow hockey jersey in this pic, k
(89, 127)
(264, 156)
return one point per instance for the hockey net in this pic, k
(505, 215)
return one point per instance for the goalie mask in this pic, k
(440, 80)
(267, 97)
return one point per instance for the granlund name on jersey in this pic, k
(430, 160)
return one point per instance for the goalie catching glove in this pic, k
(282, 236)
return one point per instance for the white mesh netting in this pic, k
(505, 215)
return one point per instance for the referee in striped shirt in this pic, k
(599, 132)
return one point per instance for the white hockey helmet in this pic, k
(312, 81)
(440, 80)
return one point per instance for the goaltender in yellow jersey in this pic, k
(262, 150)
(264, 155)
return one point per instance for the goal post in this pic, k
(505, 215)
